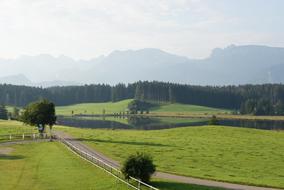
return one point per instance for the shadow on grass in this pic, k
(11, 157)
(181, 186)
(123, 142)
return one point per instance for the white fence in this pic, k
(23, 136)
(132, 182)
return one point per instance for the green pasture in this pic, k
(186, 108)
(50, 165)
(93, 108)
(121, 106)
(239, 155)
(15, 127)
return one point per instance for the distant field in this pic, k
(239, 155)
(185, 108)
(10, 108)
(93, 108)
(110, 107)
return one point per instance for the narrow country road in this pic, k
(160, 175)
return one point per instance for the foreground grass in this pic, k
(50, 165)
(230, 154)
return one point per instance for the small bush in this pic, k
(213, 121)
(139, 165)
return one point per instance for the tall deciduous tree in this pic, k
(40, 114)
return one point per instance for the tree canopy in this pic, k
(40, 114)
(262, 99)
(3, 112)
(139, 165)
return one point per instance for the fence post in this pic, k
(23, 136)
(10, 137)
(139, 185)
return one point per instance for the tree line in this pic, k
(248, 99)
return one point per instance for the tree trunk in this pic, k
(50, 130)
(41, 129)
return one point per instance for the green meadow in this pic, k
(239, 155)
(50, 165)
(186, 108)
(116, 107)
(93, 108)
(14, 127)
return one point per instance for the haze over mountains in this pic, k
(231, 65)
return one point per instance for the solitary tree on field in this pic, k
(139, 165)
(40, 114)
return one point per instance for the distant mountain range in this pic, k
(21, 79)
(232, 65)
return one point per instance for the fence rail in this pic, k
(24, 136)
(131, 182)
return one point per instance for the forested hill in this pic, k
(256, 99)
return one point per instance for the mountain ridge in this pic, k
(231, 65)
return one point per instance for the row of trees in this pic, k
(252, 99)
(3, 112)
(262, 107)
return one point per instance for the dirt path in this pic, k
(160, 175)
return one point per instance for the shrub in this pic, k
(139, 165)
(213, 121)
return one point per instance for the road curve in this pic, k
(160, 175)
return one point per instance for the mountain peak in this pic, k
(18, 79)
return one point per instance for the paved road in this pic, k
(160, 175)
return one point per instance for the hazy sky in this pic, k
(89, 28)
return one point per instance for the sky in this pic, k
(84, 29)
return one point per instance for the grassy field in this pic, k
(10, 108)
(239, 155)
(93, 108)
(184, 108)
(110, 107)
(49, 166)
(14, 127)
(164, 109)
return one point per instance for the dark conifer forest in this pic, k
(266, 99)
